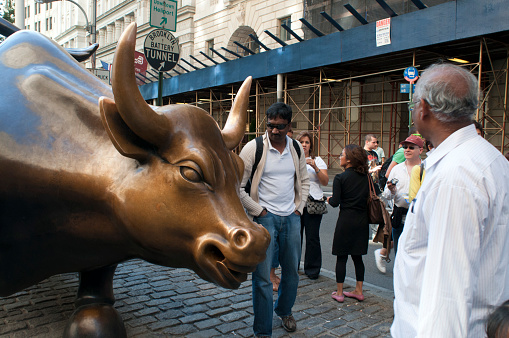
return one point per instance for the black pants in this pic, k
(310, 225)
(341, 268)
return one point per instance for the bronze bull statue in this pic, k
(92, 176)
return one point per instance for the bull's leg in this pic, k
(95, 315)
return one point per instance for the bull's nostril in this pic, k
(240, 237)
(214, 252)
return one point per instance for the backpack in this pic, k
(258, 157)
(382, 180)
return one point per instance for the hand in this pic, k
(312, 163)
(392, 187)
(328, 198)
(297, 212)
(263, 213)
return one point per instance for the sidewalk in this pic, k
(156, 301)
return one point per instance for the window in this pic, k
(209, 44)
(28, 11)
(47, 26)
(283, 33)
(50, 23)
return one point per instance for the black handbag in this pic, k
(316, 207)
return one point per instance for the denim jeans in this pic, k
(285, 230)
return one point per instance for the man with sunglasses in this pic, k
(451, 267)
(278, 194)
(412, 147)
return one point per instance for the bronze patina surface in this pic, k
(84, 186)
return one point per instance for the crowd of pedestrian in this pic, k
(448, 189)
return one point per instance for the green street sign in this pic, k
(163, 14)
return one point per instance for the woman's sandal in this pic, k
(337, 298)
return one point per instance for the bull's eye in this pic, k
(190, 174)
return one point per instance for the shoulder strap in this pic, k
(421, 172)
(258, 155)
(296, 146)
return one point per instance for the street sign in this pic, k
(103, 75)
(161, 49)
(163, 14)
(404, 88)
(411, 74)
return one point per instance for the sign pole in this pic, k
(411, 93)
(160, 90)
(411, 74)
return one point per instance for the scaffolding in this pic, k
(340, 108)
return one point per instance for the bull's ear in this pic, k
(123, 138)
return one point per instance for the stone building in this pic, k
(327, 63)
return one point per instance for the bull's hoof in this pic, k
(95, 320)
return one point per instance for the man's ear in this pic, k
(123, 138)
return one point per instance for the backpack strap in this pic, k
(296, 146)
(421, 172)
(258, 156)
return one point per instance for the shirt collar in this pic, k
(457, 138)
(270, 144)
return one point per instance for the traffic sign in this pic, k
(163, 14)
(411, 74)
(404, 88)
(161, 50)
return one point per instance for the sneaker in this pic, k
(380, 264)
(289, 323)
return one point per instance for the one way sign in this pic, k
(163, 14)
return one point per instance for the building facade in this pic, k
(340, 83)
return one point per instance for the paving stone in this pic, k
(342, 331)
(141, 321)
(229, 327)
(183, 329)
(335, 323)
(164, 302)
(205, 324)
(195, 309)
(204, 334)
(193, 318)
(198, 300)
(218, 312)
(234, 316)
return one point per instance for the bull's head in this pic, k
(181, 205)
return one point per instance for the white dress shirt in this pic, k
(452, 265)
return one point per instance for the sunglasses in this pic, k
(280, 126)
(409, 147)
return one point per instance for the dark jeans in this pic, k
(310, 225)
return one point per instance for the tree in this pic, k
(9, 11)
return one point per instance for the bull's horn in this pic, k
(137, 114)
(235, 126)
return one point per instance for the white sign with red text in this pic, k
(383, 32)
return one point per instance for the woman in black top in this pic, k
(351, 191)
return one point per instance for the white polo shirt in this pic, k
(276, 190)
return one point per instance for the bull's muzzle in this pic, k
(227, 260)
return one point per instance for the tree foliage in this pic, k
(9, 11)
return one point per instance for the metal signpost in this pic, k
(411, 74)
(161, 49)
(163, 14)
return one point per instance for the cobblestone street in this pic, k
(156, 301)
